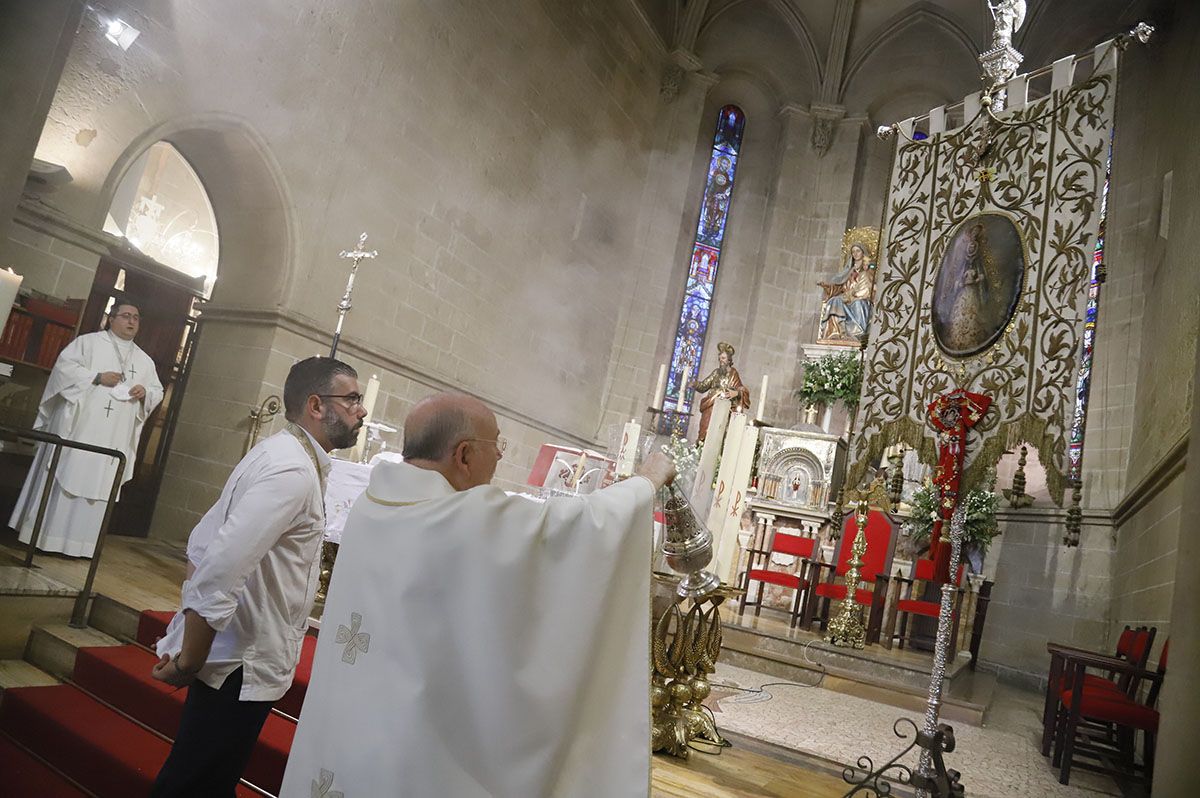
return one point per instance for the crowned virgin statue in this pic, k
(846, 309)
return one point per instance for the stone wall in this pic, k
(499, 160)
(1045, 591)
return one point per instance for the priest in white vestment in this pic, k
(101, 391)
(476, 644)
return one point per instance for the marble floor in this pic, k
(998, 760)
(795, 738)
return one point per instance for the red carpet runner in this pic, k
(106, 731)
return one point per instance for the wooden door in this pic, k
(168, 305)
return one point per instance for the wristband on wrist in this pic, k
(96, 379)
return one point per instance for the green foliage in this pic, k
(981, 525)
(833, 378)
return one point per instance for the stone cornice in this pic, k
(375, 355)
(1169, 466)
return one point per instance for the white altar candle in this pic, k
(725, 545)
(734, 434)
(762, 400)
(660, 388)
(369, 399)
(702, 489)
(580, 468)
(10, 282)
(627, 454)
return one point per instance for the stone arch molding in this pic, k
(250, 200)
(795, 22)
(919, 13)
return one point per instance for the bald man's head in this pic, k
(455, 435)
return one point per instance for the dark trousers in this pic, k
(216, 736)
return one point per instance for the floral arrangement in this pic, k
(981, 525)
(685, 456)
(833, 378)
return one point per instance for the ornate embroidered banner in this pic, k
(989, 235)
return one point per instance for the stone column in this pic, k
(35, 39)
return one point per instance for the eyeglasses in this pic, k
(501, 442)
(355, 399)
(128, 316)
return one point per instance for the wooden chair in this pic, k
(781, 543)
(1123, 714)
(1133, 647)
(927, 572)
(877, 561)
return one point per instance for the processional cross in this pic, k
(355, 256)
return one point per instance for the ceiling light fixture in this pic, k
(121, 33)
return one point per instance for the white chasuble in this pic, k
(76, 409)
(479, 645)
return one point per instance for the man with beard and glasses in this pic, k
(253, 563)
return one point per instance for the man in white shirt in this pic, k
(101, 391)
(253, 566)
(479, 645)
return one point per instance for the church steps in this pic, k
(26, 774)
(29, 598)
(110, 695)
(53, 647)
(120, 676)
(892, 682)
(19, 673)
(114, 618)
(85, 740)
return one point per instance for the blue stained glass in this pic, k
(702, 268)
(1083, 385)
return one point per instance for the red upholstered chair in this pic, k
(1133, 646)
(758, 570)
(1124, 714)
(877, 561)
(927, 572)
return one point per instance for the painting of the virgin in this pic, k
(978, 285)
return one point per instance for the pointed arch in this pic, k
(249, 197)
(796, 24)
(923, 12)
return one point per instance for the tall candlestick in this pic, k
(660, 388)
(627, 454)
(10, 282)
(762, 400)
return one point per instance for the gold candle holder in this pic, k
(847, 629)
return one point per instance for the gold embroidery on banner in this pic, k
(1049, 160)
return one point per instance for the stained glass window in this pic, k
(702, 269)
(1083, 385)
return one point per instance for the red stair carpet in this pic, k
(25, 775)
(101, 731)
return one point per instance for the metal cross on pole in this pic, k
(355, 256)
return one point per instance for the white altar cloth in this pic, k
(347, 481)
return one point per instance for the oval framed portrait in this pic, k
(978, 285)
